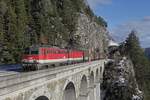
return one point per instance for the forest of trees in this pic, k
(27, 22)
(131, 48)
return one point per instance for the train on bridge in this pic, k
(41, 57)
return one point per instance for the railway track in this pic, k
(7, 75)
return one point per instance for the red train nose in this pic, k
(30, 58)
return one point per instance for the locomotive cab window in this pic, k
(35, 52)
(27, 51)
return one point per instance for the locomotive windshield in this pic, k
(31, 51)
(34, 52)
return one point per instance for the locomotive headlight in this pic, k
(35, 61)
(24, 60)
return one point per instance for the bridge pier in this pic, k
(91, 93)
(97, 91)
(83, 97)
(94, 92)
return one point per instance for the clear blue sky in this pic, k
(123, 16)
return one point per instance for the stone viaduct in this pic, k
(72, 82)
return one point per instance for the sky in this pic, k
(123, 16)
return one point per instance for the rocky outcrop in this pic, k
(92, 35)
(119, 81)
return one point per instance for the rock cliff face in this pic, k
(119, 80)
(92, 36)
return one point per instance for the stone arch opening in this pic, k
(91, 79)
(97, 76)
(97, 85)
(100, 69)
(83, 89)
(69, 92)
(91, 84)
(42, 98)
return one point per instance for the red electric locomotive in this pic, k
(40, 57)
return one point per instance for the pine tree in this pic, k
(10, 29)
(136, 54)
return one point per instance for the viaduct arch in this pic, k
(69, 92)
(42, 98)
(83, 94)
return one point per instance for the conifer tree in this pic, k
(136, 53)
(10, 29)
